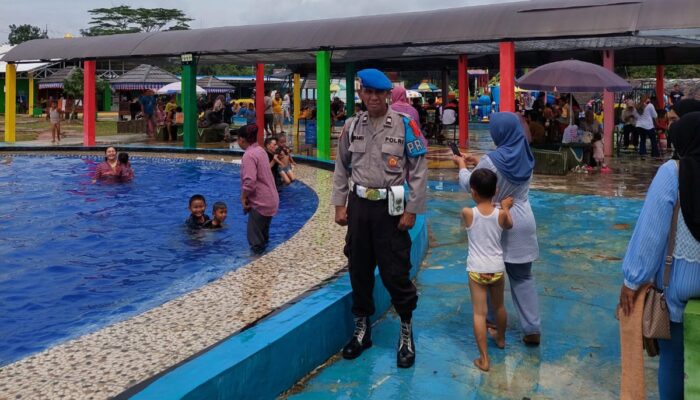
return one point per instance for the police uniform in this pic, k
(370, 159)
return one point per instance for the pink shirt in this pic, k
(104, 171)
(258, 182)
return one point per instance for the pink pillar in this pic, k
(608, 106)
(260, 101)
(507, 67)
(660, 87)
(463, 112)
(89, 103)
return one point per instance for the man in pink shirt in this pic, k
(258, 192)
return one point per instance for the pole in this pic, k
(507, 66)
(660, 87)
(89, 103)
(260, 101)
(323, 105)
(189, 101)
(30, 100)
(297, 110)
(349, 89)
(608, 106)
(463, 112)
(10, 102)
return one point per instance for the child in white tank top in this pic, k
(485, 266)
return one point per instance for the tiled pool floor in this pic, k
(582, 239)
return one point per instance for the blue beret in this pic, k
(374, 79)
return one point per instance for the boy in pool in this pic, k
(197, 218)
(219, 213)
(485, 265)
(124, 171)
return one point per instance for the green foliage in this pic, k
(73, 84)
(23, 33)
(670, 71)
(124, 19)
(225, 69)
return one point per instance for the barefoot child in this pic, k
(54, 117)
(485, 265)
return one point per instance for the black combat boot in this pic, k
(406, 353)
(361, 339)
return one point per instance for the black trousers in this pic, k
(258, 231)
(627, 131)
(374, 239)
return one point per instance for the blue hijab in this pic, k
(512, 156)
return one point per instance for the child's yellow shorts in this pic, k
(485, 279)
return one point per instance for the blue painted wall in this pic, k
(270, 357)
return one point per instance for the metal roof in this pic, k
(55, 80)
(213, 85)
(536, 25)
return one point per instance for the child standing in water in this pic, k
(218, 212)
(54, 117)
(485, 265)
(124, 171)
(197, 218)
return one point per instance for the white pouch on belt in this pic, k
(396, 203)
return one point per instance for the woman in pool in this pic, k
(107, 170)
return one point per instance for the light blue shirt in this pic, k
(644, 260)
(519, 243)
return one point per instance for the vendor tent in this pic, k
(144, 77)
(55, 81)
(213, 85)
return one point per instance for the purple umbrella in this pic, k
(572, 76)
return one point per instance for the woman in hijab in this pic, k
(513, 162)
(399, 103)
(675, 182)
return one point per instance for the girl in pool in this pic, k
(108, 169)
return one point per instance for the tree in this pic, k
(22, 33)
(124, 19)
(73, 84)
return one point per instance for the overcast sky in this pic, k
(69, 16)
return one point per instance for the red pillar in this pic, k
(260, 101)
(463, 112)
(507, 68)
(89, 103)
(608, 106)
(660, 87)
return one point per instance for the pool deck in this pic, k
(109, 361)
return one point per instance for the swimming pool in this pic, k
(75, 257)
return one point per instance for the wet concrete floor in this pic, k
(584, 223)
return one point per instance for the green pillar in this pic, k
(189, 103)
(691, 349)
(349, 89)
(323, 104)
(107, 98)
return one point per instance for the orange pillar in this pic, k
(507, 68)
(463, 112)
(660, 87)
(260, 101)
(89, 103)
(608, 106)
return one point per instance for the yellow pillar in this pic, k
(30, 111)
(297, 110)
(10, 102)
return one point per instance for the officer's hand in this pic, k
(627, 298)
(407, 221)
(341, 215)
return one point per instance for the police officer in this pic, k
(378, 150)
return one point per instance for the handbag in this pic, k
(656, 323)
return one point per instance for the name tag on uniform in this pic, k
(393, 140)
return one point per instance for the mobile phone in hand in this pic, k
(455, 149)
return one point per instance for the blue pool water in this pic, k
(77, 256)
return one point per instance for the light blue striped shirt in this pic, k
(644, 260)
(520, 243)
